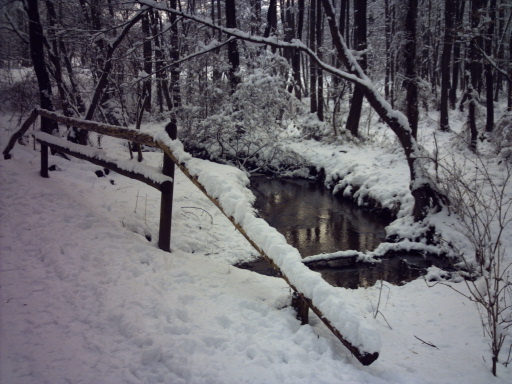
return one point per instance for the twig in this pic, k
(204, 210)
(426, 342)
(384, 317)
(136, 201)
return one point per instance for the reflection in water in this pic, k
(312, 219)
(314, 222)
(397, 270)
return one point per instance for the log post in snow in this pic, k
(164, 236)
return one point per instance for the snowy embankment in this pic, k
(229, 186)
(86, 298)
(379, 178)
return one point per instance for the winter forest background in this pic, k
(129, 62)
(256, 84)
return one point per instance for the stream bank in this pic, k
(316, 222)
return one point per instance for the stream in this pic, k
(314, 221)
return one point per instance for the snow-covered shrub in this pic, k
(479, 190)
(312, 128)
(18, 91)
(247, 127)
(502, 136)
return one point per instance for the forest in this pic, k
(235, 75)
(256, 83)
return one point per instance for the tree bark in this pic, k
(175, 56)
(489, 77)
(233, 55)
(271, 27)
(458, 7)
(296, 53)
(313, 72)
(444, 124)
(36, 39)
(411, 78)
(147, 52)
(475, 67)
(509, 95)
(320, 75)
(388, 48)
(161, 73)
(360, 45)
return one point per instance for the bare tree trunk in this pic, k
(54, 56)
(360, 45)
(391, 56)
(320, 76)
(458, 7)
(296, 54)
(313, 73)
(36, 39)
(388, 47)
(411, 80)
(500, 49)
(161, 73)
(444, 124)
(147, 52)
(233, 55)
(489, 77)
(289, 31)
(475, 71)
(509, 96)
(175, 56)
(271, 28)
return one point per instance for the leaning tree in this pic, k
(426, 196)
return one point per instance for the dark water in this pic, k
(314, 221)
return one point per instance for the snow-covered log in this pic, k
(149, 175)
(104, 129)
(323, 299)
(353, 331)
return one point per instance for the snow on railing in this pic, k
(235, 202)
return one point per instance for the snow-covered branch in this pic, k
(207, 49)
(259, 40)
(493, 63)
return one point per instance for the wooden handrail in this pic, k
(104, 129)
(79, 151)
(364, 357)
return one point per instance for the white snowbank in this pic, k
(229, 186)
(85, 298)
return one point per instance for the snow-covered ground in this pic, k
(86, 298)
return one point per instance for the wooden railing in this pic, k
(164, 183)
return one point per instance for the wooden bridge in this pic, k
(164, 183)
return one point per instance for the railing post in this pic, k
(164, 236)
(301, 307)
(44, 160)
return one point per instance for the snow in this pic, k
(152, 173)
(228, 185)
(352, 167)
(85, 298)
